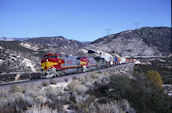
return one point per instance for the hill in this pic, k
(146, 41)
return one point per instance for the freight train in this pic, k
(53, 65)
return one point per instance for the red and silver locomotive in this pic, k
(57, 64)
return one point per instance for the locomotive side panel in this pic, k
(70, 62)
(91, 62)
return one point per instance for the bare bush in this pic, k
(16, 102)
(82, 79)
(15, 88)
(40, 99)
(52, 81)
(109, 108)
(41, 109)
(76, 85)
(44, 83)
(66, 79)
(3, 93)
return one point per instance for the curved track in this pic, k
(6, 85)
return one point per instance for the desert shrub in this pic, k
(15, 88)
(76, 86)
(141, 94)
(146, 98)
(66, 79)
(44, 83)
(120, 86)
(52, 81)
(15, 103)
(89, 84)
(55, 105)
(85, 107)
(40, 109)
(3, 93)
(155, 78)
(40, 99)
(82, 79)
(74, 77)
(124, 104)
(51, 92)
(97, 75)
(108, 108)
(82, 107)
(104, 100)
(107, 73)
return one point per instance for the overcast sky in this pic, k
(82, 20)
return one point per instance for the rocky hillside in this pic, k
(16, 58)
(55, 44)
(146, 41)
(25, 56)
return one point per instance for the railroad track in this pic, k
(6, 85)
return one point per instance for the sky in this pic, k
(82, 20)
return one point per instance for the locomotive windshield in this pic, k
(50, 56)
(46, 56)
(53, 56)
(84, 58)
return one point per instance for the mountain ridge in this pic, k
(147, 40)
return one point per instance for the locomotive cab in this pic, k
(51, 60)
(50, 63)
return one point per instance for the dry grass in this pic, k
(76, 86)
(15, 88)
(41, 109)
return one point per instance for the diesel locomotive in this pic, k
(57, 64)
